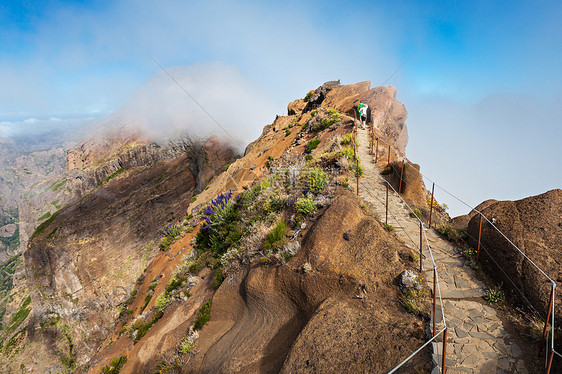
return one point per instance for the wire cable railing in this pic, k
(547, 339)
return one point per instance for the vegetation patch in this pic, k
(308, 96)
(333, 117)
(115, 366)
(218, 278)
(493, 295)
(314, 180)
(348, 139)
(388, 227)
(305, 206)
(44, 216)
(57, 185)
(452, 234)
(12, 242)
(203, 316)
(312, 145)
(112, 175)
(413, 300)
(170, 234)
(42, 227)
(276, 238)
(19, 316)
(416, 214)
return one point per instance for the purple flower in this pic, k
(210, 211)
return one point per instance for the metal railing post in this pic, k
(549, 362)
(421, 247)
(386, 209)
(479, 236)
(444, 351)
(377, 151)
(550, 303)
(401, 174)
(434, 297)
(431, 205)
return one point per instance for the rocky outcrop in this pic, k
(534, 224)
(388, 114)
(83, 262)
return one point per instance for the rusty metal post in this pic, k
(386, 213)
(372, 138)
(388, 155)
(479, 236)
(377, 151)
(421, 247)
(444, 351)
(434, 297)
(401, 174)
(549, 362)
(548, 316)
(431, 205)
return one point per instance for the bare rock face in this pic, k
(296, 107)
(83, 262)
(312, 323)
(534, 224)
(412, 189)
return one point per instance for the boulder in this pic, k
(407, 280)
(296, 107)
(534, 224)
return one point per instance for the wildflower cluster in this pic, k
(213, 213)
(173, 230)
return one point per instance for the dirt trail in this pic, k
(477, 341)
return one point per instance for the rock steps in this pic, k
(476, 340)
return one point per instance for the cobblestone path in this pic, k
(476, 340)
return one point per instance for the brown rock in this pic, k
(296, 107)
(534, 224)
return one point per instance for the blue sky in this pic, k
(482, 86)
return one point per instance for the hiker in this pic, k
(362, 109)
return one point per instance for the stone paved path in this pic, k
(476, 341)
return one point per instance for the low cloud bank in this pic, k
(234, 108)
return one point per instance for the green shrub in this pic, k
(312, 113)
(416, 214)
(224, 228)
(162, 302)
(44, 216)
(277, 237)
(203, 316)
(218, 278)
(115, 366)
(186, 345)
(452, 234)
(166, 243)
(42, 227)
(174, 283)
(348, 139)
(314, 180)
(388, 227)
(333, 117)
(194, 199)
(305, 206)
(144, 328)
(308, 96)
(312, 145)
(413, 300)
(111, 176)
(493, 295)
